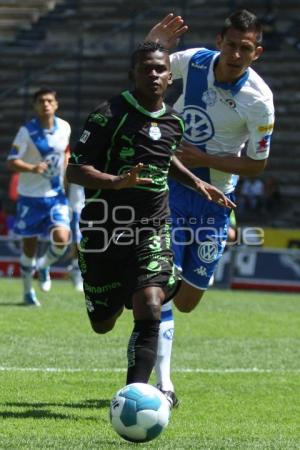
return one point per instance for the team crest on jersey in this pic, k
(154, 131)
(208, 251)
(84, 137)
(209, 97)
(231, 103)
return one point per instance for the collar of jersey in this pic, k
(47, 130)
(234, 88)
(132, 100)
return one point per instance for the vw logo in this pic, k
(198, 125)
(208, 251)
(53, 161)
(168, 334)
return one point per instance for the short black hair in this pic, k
(243, 20)
(44, 91)
(146, 47)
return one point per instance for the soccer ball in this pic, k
(139, 412)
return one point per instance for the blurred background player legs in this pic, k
(76, 201)
(28, 267)
(36, 219)
(45, 279)
(49, 214)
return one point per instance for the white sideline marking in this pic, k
(115, 370)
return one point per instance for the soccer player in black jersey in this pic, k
(123, 159)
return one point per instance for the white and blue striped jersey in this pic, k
(34, 144)
(222, 118)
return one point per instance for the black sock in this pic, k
(142, 349)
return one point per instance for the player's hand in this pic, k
(131, 178)
(167, 31)
(191, 156)
(212, 193)
(40, 167)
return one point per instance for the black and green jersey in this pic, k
(119, 134)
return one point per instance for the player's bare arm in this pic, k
(212, 193)
(180, 173)
(192, 157)
(168, 31)
(91, 178)
(18, 165)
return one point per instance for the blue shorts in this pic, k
(36, 216)
(199, 234)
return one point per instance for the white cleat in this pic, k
(79, 286)
(77, 280)
(44, 279)
(30, 298)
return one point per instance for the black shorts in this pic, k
(117, 263)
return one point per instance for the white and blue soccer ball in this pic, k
(139, 412)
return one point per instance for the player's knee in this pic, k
(105, 326)
(147, 302)
(187, 298)
(60, 237)
(102, 327)
(184, 307)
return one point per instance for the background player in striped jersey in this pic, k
(39, 153)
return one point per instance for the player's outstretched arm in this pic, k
(167, 31)
(192, 157)
(180, 173)
(212, 193)
(91, 178)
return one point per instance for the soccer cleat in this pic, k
(30, 298)
(79, 286)
(44, 279)
(171, 397)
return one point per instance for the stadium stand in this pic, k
(81, 48)
(16, 16)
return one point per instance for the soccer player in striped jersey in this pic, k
(229, 118)
(39, 153)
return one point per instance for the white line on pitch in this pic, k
(115, 370)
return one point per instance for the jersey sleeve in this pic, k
(19, 145)
(260, 125)
(95, 138)
(180, 62)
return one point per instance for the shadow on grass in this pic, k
(91, 403)
(37, 410)
(12, 304)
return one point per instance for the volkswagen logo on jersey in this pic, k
(208, 251)
(198, 125)
(154, 132)
(53, 165)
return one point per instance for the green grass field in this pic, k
(236, 367)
